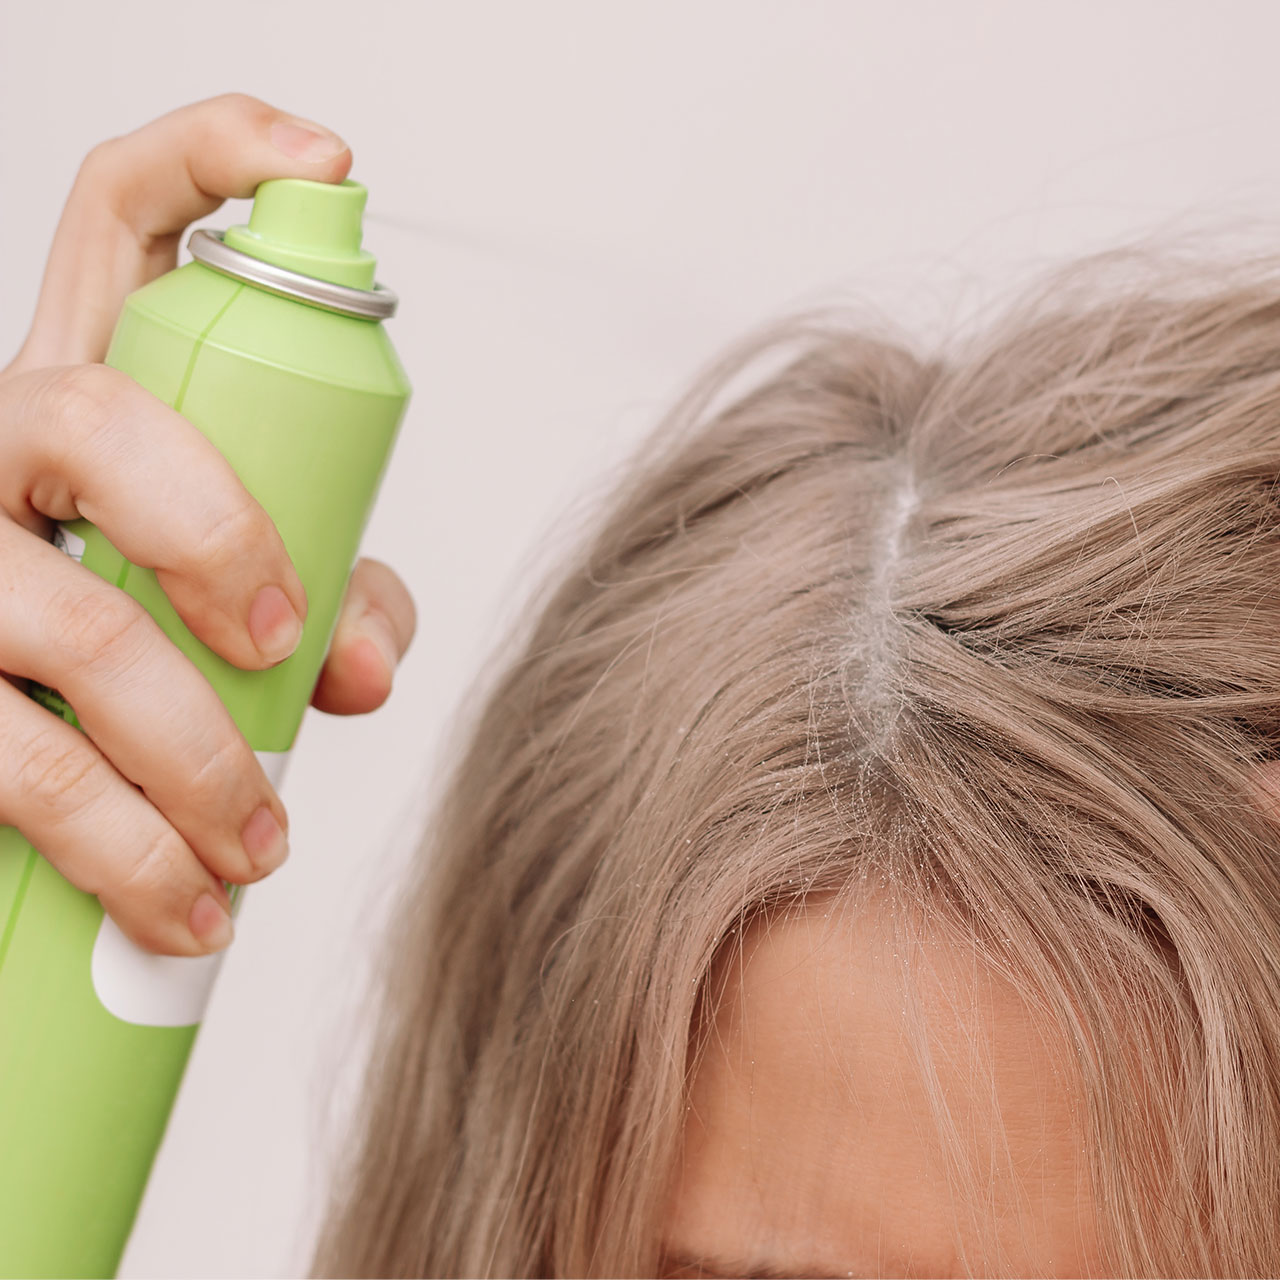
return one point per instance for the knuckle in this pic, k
(153, 873)
(88, 402)
(210, 120)
(58, 775)
(220, 772)
(103, 629)
(238, 528)
(242, 103)
(101, 167)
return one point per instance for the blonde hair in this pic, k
(1000, 631)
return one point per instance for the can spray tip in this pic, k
(310, 227)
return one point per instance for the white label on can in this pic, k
(161, 991)
(71, 543)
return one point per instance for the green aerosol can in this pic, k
(270, 342)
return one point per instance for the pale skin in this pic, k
(810, 1147)
(160, 799)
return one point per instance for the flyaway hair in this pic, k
(996, 631)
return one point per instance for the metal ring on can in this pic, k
(209, 248)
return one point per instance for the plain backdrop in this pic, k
(580, 204)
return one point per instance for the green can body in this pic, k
(95, 1033)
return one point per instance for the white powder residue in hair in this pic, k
(875, 634)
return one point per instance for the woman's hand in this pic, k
(160, 799)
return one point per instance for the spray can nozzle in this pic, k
(313, 228)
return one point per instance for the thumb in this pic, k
(135, 195)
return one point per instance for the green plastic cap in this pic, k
(310, 227)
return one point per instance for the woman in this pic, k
(865, 864)
(868, 862)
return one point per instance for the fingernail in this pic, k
(264, 841)
(375, 628)
(302, 140)
(273, 624)
(210, 924)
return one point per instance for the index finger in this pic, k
(88, 441)
(134, 196)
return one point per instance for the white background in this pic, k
(580, 203)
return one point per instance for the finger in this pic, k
(133, 197)
(147, 709)
(88, 441)
(375, 627)
(103, 835)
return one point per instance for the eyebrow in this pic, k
(742, 1269)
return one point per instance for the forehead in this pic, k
(812, 1144)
